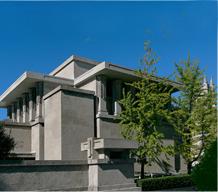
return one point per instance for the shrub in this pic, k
(166, 182)
(204, 174)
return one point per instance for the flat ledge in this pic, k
(41, 162)
(17, 163)
(114, 143)
(67, 88)
(22, 154)
(20, 85)
(38, 120)
(106, 116)
(7, 123)
(110, 161)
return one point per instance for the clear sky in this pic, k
(38, 36)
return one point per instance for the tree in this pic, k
(204, 175)
(144, 110)
(6, 144)
(195, 114)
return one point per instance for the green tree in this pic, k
(144, 110)
(195, 114)
(204, 174)
(6, 144)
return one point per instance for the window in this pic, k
(109, 97)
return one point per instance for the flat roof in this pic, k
(26, 81)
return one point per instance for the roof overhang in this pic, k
(108, 69)
(118, 72)
(26, 81)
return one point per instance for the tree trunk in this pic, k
(189, 167)
(142, 169)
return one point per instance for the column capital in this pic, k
(31, 108)
(18, 104)
(9, 112)
(18, 99)
(24, 107)
(30, 89)
(101, 77)
(24, 95)
(39, 95)
(13, 112)
(117, 95)
(101, 93)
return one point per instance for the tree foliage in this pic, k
(144, 110)
(204, 175)
(146, 106)
(195, 114)
(6, 144)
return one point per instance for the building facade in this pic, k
(71, 113)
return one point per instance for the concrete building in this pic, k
(70, 114)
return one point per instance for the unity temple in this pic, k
(71, 114)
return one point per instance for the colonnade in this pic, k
(102, 95)
(28, 106)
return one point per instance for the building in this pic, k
(70, 114)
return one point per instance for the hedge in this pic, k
(165, 182)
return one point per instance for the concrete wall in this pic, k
(66, 176)
(177, 164)
(81, 67)
(43, 175)
(69, 121)
(124, 174)
(112, 176)
(77, 122)
(37, 138)
(74, 69)
(67, 72)
(52, 131)
(108, 128)
(22, 136)
(89, 85)
(48, 86)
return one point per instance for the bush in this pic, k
(166, 182)
(204, 174)
(6, 144)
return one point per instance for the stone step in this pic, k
(117, 187)
(129, 189)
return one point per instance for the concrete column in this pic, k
(19, 110)
(37, 141)
(117, 96)
(13, 113)
(101, 94)
(93, 174)
(39, 95)
(25, 107)
(31, 107)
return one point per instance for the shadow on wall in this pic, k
(4, 186)
(164, 165)
(126, 170)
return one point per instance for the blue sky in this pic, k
(38, 36)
